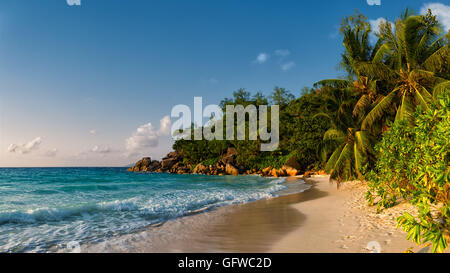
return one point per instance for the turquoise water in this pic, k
(42, 209)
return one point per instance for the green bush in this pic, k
(211, 161)
(301, 131)
(413, 165)
(269, 160)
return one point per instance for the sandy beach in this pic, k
(339, 220)
(323, 219)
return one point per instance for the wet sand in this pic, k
(322, 219)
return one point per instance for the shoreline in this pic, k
(186, 233)
(323, 219)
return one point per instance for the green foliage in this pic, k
(211, 161)
(196, 151)
(302, 131)
(281, 97)
(390, 177)
(356, 32)
(296, 119)
(268, 160)
(413, 165)
(408, 64)
(403, 77)
(248, 152)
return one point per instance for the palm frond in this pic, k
(378, 70)
(359, 160)
(334, 135)
(361, 104)
(441, 88)
(379, 110)
(363, 142)
(423, 97)
(439, 43)
(406, 110)
(412, 28)
(438, 59)
(339, 165)
(333, 158)
(335, 83)
(381, 53)
(325, 115)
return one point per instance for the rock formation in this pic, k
(227, 165)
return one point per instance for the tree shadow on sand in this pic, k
(253, 227)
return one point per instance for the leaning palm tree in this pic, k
(352, 149)
(363, 87)
(349, 147)
(410, 61)
(366, 90)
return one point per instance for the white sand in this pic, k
(341, 221)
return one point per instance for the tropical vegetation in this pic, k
(385, 121)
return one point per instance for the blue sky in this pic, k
(76, 82)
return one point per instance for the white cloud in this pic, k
(280, 58)
(282, 52)
(92, 132)
(73, 2)
(374, 2)
(287, 66)
(164, 126)
(375, 24)
(262, 58)
(441, 11)
(101, 150)
(25, 148)
(146, 136)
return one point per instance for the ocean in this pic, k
(47, 209)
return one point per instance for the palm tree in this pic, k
(350, 148)
(366, 90)
(352, 151)
(356, 31)
(405, 68)
(410, 61)
(363, 87)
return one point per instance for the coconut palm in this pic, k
(351, 152)
(349, 147)
(364, 88)
(356, 41)
(356, 31)
(410, 61)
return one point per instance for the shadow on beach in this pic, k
(252, 227)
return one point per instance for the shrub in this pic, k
(211, 161)
(413, 164)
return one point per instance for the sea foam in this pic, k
(48, 215)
